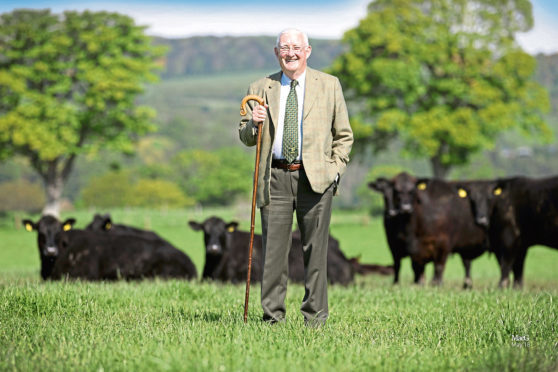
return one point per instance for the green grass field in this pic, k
(175, 325)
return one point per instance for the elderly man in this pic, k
(306, 141)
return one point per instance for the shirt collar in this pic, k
(285, 80)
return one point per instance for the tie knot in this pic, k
(294, 83)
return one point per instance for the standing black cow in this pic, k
(48, 238)
(426, 220)
(227, 255)
(96, 256)
(518, 212)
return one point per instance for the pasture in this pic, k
(176, 325)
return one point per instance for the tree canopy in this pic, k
(68, 85)
(444, 76)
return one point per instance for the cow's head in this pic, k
(215, 232)
(405, 188)
(385, 187)
(482, 196)
(100, 223)
(51, 239)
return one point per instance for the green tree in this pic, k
(214, 178)
(443, 76)
(68, 85)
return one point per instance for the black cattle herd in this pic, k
(425, 219)
(428, 219)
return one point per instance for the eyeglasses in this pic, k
(297, 49)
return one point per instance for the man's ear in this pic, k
(231, 226)
(67, 225)
(29, 225)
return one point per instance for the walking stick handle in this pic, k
(254, 193)
(250, 97)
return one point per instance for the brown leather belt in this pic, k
(282, 164)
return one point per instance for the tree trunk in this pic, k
(54, 180)
(439, 170)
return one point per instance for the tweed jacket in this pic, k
(327, 136)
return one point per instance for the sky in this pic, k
(325, 19)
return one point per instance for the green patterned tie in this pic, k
(290, 128)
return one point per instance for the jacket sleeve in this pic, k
(341, 131)
(247, 129)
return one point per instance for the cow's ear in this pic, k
(107, 223)
(231, 226)
(379, 185)
(29, 225)
(195, 225)
(422, 183)
(67, 225)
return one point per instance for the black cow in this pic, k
(427, 221)
(104, 224)
(49, 229)
(96, 256)
(226, 250)
(518, 213)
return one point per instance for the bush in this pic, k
(158, 193)
(21, 195)
(214, 178)
(109, 190)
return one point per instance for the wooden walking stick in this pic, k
(255, 188)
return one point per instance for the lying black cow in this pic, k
(96, 256)
(426, 220)
(226, 250)
(104, 224)
(49, 236)
(518, 213)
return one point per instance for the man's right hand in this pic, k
(259, 113)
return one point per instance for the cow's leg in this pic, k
(468, 282)
(518, 268)
(439, 266)
(396, 268)
(505, 269)
(418, 269)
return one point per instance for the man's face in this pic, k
(292, 53)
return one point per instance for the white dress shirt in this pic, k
(285, 88)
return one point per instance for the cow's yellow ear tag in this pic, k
(108, 226)
(497, 191)
(67, 227)
(28, 227)
(462, 193)
(231, 229)
(421, 186)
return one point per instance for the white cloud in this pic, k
(183, 21)
(543, 38)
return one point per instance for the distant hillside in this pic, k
(206, 55)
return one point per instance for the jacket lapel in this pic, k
(273, 94)
(310, 92)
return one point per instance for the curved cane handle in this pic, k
(248, 98)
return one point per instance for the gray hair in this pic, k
(289, 30)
